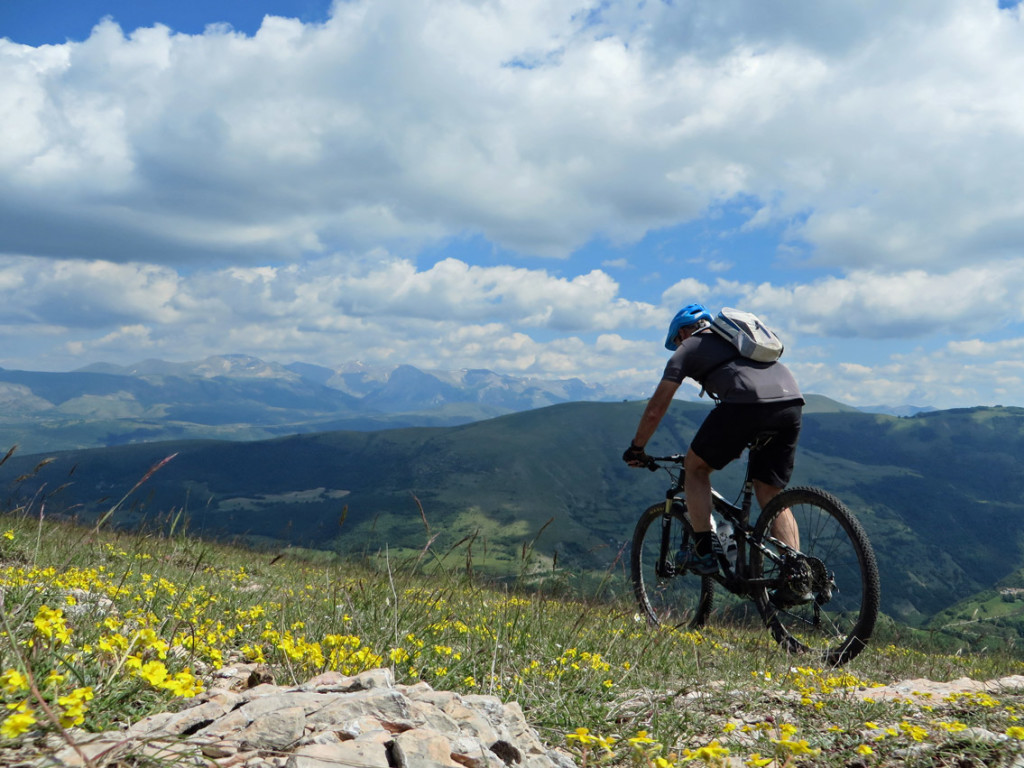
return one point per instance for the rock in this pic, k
(472, 753)
(348, 753)
(922, 691)
(274, 731)
(360, 721)
(422, 748)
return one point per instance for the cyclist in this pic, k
(750, 397)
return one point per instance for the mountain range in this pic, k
(237, 397)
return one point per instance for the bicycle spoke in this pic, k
(825, 599)
(665, 596)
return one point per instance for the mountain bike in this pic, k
(821, 599)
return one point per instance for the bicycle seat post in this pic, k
(759, 441)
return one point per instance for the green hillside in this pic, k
(133, 650)
(941, 494)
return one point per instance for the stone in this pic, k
(274, 731)
(350, 754)
(186, 721)
(360, 721)
(390, 707)
(422, 748)
(353, 729)
(473, 753)
(237, 759)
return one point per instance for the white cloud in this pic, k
(883, 128)
(947, 377)
(192, 194)
(999, 350)
(983, 297)
(381, 309)
(377, 308)
(685, 291)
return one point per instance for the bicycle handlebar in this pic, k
(675, 458)
(654, 462)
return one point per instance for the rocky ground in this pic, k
(365, 721)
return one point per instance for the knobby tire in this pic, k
(680, 600)
(835, 629)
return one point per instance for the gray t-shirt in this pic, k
(715, 364)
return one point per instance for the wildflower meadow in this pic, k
(100, 628)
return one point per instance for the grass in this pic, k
(100, 628)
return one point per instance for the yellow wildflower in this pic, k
(916, 732)
(19, 722)
(710, 753)
(582, 735)
(605, 742)
(49, 622)
(154, 673)
(74, 706)
(641, 738)
(12, 681)
(184, 684)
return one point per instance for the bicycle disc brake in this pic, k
(665, 569)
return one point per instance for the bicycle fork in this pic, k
(665, 567)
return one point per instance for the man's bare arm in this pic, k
(656, 409)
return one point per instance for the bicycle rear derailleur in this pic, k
(802, 579)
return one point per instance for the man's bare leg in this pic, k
(784, 527)
(697, 487)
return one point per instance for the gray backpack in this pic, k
(745, 331)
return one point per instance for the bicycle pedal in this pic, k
(688, 560)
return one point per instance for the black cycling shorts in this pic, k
(730, 427)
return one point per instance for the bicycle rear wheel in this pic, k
(835, 568)
(664, 595)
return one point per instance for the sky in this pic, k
(533, 187)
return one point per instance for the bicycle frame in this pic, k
(734, 578)
(822, 596)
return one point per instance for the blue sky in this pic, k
(530, 187)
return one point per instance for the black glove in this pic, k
(635, 456)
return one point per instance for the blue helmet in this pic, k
(688, 315)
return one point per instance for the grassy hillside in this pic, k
(103, 628)
(940, 494)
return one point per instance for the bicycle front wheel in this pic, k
(666, 596)
(823, 593)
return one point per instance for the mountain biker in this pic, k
(750, 397)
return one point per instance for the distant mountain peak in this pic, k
(897, 410)
(241, 366)
(400, 388)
